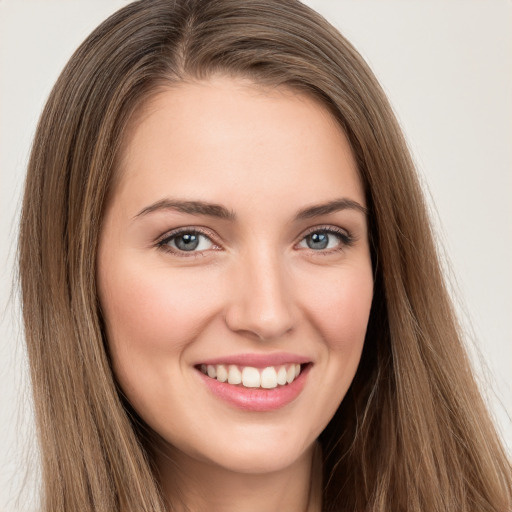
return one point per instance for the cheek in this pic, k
(338, 312)
(340, 308)
(151, 314)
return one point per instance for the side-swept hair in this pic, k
(412, 433)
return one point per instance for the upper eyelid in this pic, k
(186, 229)
(324, 227)
(161, 243)
(214, 238)
(346, 239)
(328, 228)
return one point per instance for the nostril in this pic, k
(262, 309)
(260, 329)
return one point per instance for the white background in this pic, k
(447, 68)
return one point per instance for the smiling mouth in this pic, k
(269, 377)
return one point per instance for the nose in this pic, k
(261, 300)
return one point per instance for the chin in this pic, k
(260, 461)
(255, 450)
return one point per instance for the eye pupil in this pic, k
(317, 240)
(187, 242)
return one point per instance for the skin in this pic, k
(253, 286)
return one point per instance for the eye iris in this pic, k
(317, 240)
(187, 242)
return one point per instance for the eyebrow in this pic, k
(191, 207)
(219, 211)
(331, 207)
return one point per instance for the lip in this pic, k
(258, 360)
(256, 399)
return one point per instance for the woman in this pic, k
(231, 294)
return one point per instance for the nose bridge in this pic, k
(262, 304)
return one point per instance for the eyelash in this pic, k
(346, 240)
(165, 239)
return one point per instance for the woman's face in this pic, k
(234, 272)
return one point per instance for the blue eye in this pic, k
(187, 241)
(323, 239)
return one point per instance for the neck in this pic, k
(200, 486)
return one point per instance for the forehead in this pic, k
(227, 135)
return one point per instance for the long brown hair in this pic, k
(412, 433)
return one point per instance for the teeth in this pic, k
(290, 374)
(269, 378)
(281, 376)
(250, 377)
(234, 374)
(222, 373)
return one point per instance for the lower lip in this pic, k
(257, 399)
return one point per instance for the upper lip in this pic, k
(258, 360)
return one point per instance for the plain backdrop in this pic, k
(447, 68)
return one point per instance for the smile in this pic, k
(256, 383)
(269, 377)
